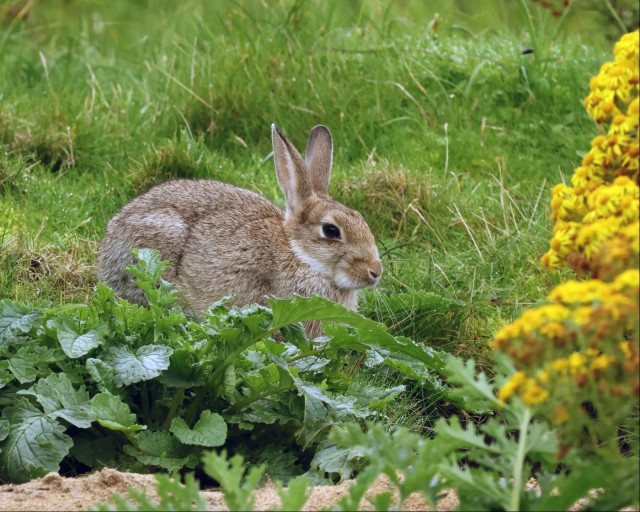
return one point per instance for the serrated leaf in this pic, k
(74, 342)
(210, 430)
(146, 363)
(451, 431)
(59, 399)
(111, 412)
(35, 446)
(474, 391)
(15, 317)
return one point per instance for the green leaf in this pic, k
(296, 496)
(73, 342)
(111, 412)
(35, 446)
(236, 486)
(15, 317)
(210, 430)
(337, 460)
(59, 399)
(23, 365)
(474, 391)
(4, 429)
(172, 495)
(95, 451)
(161, 449)
(301, 309)
(146, 363)
(102, 374)
(5, 375)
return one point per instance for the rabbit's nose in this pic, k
(375, 270)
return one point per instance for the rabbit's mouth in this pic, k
(359, 275)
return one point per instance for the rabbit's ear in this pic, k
(291, 172)
(319, 157)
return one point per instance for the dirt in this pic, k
(54, 492)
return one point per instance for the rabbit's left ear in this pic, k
(291, 172)
(319, 158)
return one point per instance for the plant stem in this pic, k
(175, 404)
(514, 504)
(615, 16)
(244, 403)
(532, 30)
(311, 353)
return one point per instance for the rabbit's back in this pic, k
(210, 233)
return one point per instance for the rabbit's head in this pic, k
(333, 240)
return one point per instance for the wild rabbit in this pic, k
(223, 240)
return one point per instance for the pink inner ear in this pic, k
(291, 172)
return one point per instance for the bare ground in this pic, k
(54, 492)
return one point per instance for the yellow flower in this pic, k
(581, 315)
(628, 280)
(511, 386)
(576, 363)
(560, 366)
(624, 348)
(534, 394)
(601, 362)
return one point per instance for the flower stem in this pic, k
(519, 461)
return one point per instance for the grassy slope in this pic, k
(448, 143)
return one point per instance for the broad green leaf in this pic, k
(5, 375)
(74, 342)
(161, 449)
(301, 309)
(59, 399)
(15, 317)
(23, 365)
(111, 412)
(102, 374)
(35, 446)
(337, 460)
(4, 429)
(146, 363)
(210, 430)
(95, 451)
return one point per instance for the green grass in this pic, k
(447, 142)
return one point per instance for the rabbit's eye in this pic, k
(331, 231)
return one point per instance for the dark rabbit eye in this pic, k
(331, 231)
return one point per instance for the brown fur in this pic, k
(222, 240)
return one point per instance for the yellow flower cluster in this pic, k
(582, 346)
(587, 313)
(604, 196)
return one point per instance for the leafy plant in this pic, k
(119, 384)
(237, 487)
(488, 463)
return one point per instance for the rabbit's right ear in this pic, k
(291, 172)
(319, 157)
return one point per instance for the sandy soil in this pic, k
(54, 492)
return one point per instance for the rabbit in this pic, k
(222, 240)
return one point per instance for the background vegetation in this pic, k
(452, 120)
